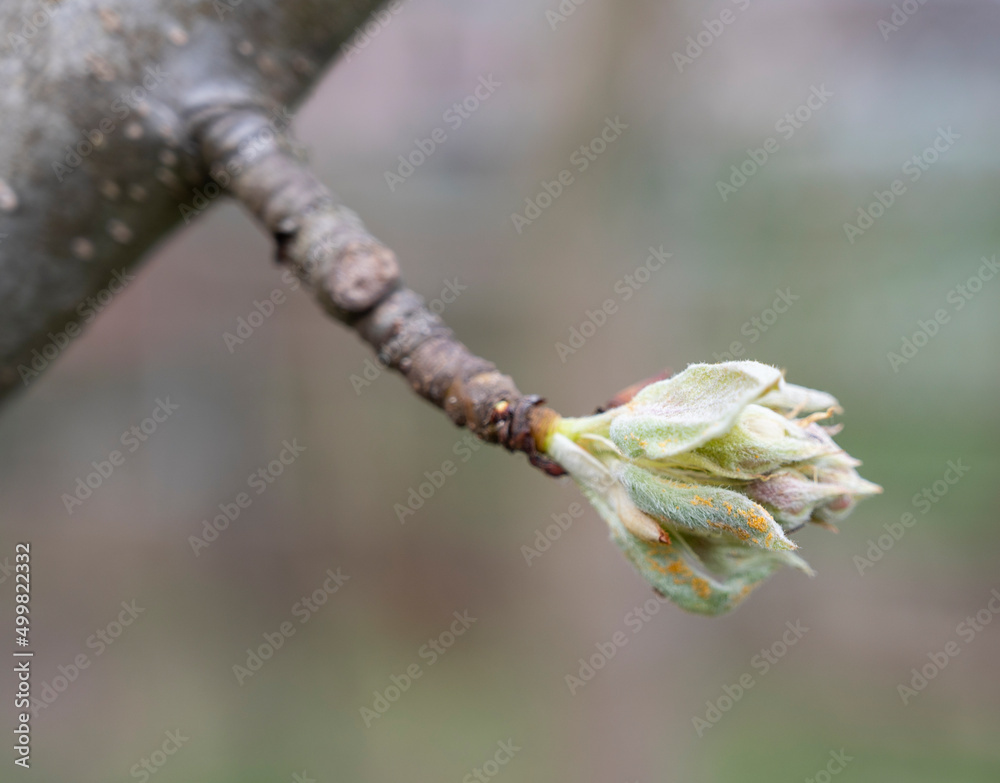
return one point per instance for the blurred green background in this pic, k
(333, 507)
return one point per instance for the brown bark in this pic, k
(357, 281)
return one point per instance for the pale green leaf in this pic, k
(683, 412)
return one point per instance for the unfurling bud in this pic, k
(702, 476)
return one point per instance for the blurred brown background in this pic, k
(333, 507)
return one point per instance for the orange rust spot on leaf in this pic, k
(655, 565)
(679, 567)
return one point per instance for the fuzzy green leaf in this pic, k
(683, 412)
(676, 571)
(702, 509)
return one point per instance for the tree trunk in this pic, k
(97, 157)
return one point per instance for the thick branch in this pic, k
(95, 161)
(356, 279)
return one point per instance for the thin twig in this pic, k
(357, 281)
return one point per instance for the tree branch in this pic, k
(356, 280)
(84, 191)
